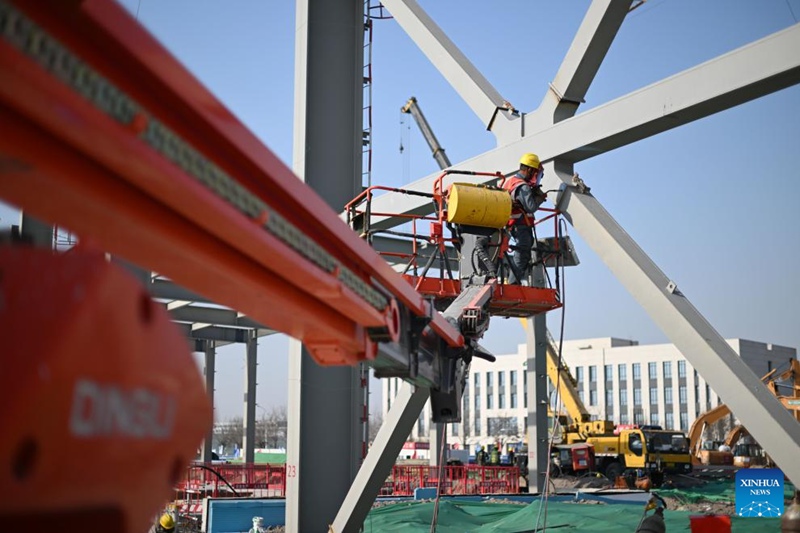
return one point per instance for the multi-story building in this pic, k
(617, 379)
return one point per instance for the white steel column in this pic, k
(400, 420)
(325, 404)
(249, 444)
(209, 370)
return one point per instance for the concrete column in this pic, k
(249, 444)
(209, 371)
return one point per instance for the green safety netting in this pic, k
(485, 517)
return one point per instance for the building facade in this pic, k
(617, 380)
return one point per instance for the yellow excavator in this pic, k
(738, 448)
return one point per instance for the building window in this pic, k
(421, 424)
(592, 374)
(667, 369)
(593, 397)
(682, 394)
(454, 430)
(638, 418)
(623, 397)
(490, 401)
(653, 419)
(652, 371)
(477, 425)
(476, 379)
(623, 418)
(477, 404)
(501, 376)
(637, 396)
(668, 395)
(580, 396)
(637, 371)
(513, 399)
(670, 420)
(489, 380)
(681, 369)
(513, 378)
(622, 370)
(708, 397)
(653, 396)
(610, 398)
(579, 376)
(609, 372)
(684, 421)
(501, 401)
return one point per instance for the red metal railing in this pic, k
(269, 481)
(457, 480)
(220, 480)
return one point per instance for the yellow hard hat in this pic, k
(530, 160)
(166, 521)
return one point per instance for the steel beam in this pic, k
(747, 73)
(213, 333)
(763, 415)
(214, 315)
(465, 78)
(587, 51)
(400, 420)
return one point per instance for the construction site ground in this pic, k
(687, 496)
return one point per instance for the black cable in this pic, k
(435, 517)
(204, 467)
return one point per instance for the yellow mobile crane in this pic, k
(649, 450)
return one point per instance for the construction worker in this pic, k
(526, 197)
(494, 456)
(166, 524)
(481, 458)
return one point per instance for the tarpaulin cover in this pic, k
(484, 517)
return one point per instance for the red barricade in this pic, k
(456, 480)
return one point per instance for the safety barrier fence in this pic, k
(455, 480)
(269, 481)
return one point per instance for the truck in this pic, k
(618, 450)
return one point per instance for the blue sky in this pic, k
(713, 202)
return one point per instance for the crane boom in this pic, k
(413, 108)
